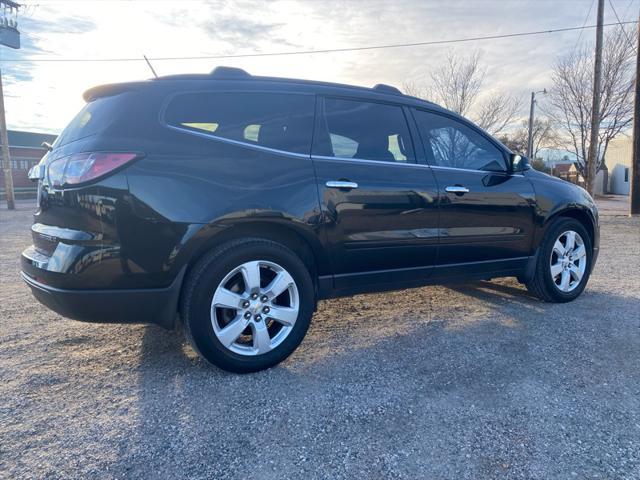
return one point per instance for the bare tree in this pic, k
(545, 135)
(497, 112)
(413, 88)
(572, 92)
(457, 86)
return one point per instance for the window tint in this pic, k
(272, 120)
(343, 146)
(207, 127)
(370, 131)
(450, 143)
(94, 118)
(251, 132)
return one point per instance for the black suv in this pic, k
(239, 201)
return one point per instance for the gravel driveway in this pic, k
(474, 381)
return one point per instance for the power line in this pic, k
(311, 52)
(624, 31)
(628, 7)
(586, 19)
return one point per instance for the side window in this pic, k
(451, 143)
(273, 120)
(363, 130)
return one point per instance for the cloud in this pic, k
(244, 33)
(45, 96)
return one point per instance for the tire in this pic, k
(213, 278)
(549, 285)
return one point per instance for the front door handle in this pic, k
(457, 189)
(341, 184)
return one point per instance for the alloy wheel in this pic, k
(568, 261)
(255, 307)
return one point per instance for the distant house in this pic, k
(562, 169)
(618, 162)
(615, 175)
(25, 150)
(568, 172)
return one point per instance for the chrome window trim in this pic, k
(237, 142)
(496, 172)
(410, 164)
(368, 161)
(323, 157)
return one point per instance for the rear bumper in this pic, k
(152, 305)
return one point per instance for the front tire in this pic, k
(247, 304)
(564, 261)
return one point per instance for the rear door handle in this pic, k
(341, 184)
(457, 189)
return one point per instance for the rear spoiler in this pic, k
(109, 89)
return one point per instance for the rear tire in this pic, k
(247, 304)
(564, 261)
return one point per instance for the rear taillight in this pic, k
(84, 167)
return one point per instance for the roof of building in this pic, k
(563, 167)
(19, 138)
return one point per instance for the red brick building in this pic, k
(25, 150)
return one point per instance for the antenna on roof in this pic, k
(150, 66)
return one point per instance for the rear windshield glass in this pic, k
(273, 120)
(94, 118)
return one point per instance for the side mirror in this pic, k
(37, 172)
(518, 163)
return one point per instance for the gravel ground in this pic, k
(475, 381)
(609, 205)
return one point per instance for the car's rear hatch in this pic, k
(79, 185)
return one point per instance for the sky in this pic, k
(44, 96)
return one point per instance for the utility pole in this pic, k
(6, 160)
(635, 156)
(595, 107)
(9, 37)
(531, 114)
(530, 139)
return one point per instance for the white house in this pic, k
(618, 161)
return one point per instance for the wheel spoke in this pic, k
(225, 298)
(279, 284)
(284, 315)
(231, 332)
(251, 276)
(579, 252)
(556, 270)
(570, 241)
(576, 272)
(558, 248)
(565, 280)
(261, 339)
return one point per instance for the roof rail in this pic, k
(387, 89)
(229, 72)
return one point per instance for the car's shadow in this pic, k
(491, 347)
